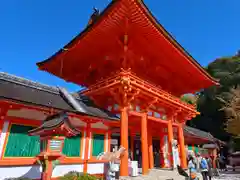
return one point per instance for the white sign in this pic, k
(114, 141)
(209, 146)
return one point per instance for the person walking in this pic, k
(192, 168)
(210, 168)
(198, 159)
(203, 168)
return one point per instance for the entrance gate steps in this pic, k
(157, 174)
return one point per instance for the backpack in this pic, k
(203, 164)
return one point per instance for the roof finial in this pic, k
(94, 16)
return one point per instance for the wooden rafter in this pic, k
(150, 104)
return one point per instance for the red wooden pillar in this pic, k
(214, 158)
(3, 113)
(132, 145)
(170, 140)
(48, 174)
(109, 141)
(86, 152)
(150, 149)
(183, 156)
(144, 139)
(124, 141)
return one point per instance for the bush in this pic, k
(78, 176)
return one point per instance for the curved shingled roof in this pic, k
(153, 21)
(18, 89)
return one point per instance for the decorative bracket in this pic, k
(134, 95)
(179, 110)
(150, 104)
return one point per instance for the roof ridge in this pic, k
(27, 82)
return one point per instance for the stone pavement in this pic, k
(160, 174)
(157, 174)
(228, 176)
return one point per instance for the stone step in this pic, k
(157, 174)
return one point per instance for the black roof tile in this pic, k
(199, 133)
(26, 91)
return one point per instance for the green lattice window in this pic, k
(190, 148)
(72, 146)
(20, 144)
(97, 144)
(196, 149)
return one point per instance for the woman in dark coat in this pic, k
(210, 168)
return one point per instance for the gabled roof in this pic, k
(198, 133)
(194, 132)
(18, 89)
(51, 125)
(109, 21)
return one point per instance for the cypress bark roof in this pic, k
(107, 31)
(25, 91)
(51, 126)
(201, 134)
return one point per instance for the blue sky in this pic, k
(33, 30)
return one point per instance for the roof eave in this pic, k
(79, 36)
(154, 22)
(174, 41)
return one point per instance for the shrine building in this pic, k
(134, 73)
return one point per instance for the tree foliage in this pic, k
(211, 119)
(232, 111)
(189, 98)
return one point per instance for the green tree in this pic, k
(211, 119)
(232, 112)
(189, 98)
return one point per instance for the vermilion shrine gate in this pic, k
(131, 65)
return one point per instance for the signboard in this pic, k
(209, 146)
(55, 145)
(114, 142)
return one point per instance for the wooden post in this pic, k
(214, 158)
(109, 141)
(86, 152)
(144, 139)
(132, 145)
(193, 149)
(182, 146)
(49, 171)
(150, 149)
(124, 141)
(170, 140)
(162, 164)
(3, 113)
(4, 125)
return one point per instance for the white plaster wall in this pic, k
(95, 168)
(32, 172)
(61, 170)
